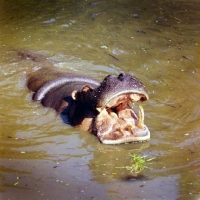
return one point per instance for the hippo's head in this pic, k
(116, 121)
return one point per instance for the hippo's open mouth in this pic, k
(118, 123)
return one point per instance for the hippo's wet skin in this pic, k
(104, 109)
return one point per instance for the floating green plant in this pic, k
(137, 163)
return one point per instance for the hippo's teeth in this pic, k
(141, 117)
(99, 109)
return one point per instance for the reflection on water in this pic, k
(158, 41)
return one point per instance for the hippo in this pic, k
(103, 108)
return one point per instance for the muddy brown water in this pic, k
(158, 41)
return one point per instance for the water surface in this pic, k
(158, 41)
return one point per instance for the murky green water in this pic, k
(158, 41)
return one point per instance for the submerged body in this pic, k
(104, 109)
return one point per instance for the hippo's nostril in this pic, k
(121, 77)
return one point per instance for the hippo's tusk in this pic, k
(141, 117)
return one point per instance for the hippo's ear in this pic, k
(76, 95)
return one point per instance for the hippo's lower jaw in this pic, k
(140, 136)
(117, 123)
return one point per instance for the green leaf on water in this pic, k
(137, 163)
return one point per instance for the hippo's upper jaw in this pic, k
(116, 122)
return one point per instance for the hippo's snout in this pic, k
(117, 122)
